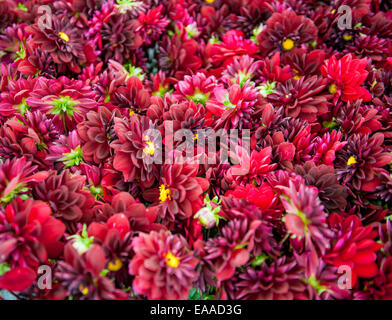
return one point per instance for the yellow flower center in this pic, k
(149, 149)
(196, 136)
(117, 265)
(347, 37)
(288, 44)
(83, 289)
(351, 161)
(172, 260)
(333, 89)
(210, 1)
(164, 193)
(63, 36)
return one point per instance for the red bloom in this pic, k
(152, 24)
(262, 196)
(347, 74)
(234, 45)
(163, 266)
(15, 176)
(94, 131)
(232, 107)
(81, 275)
(135, 149)
(354, 247)
(65, 100)
(29, 235)
(66, 196)
(285, 31)
(179, 191)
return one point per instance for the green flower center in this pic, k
(199, 97)
(128, 5)
(267, 88)
(73, 158)
(22, 107)
(133, 71)
(63, 105)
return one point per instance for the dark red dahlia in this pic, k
(304, 98)
(136, 149)
(63, 41)
(132, 97)
(140, 218)
(305, 217)
(81, 275)
(179, 191)
(304, 63)
(29, 235)
(96, 132)
(361, 160)
(120, 38)
(380, 288)
(232, 248)
(164, 267)
(66, 197)
(284, 31)
(277, 280)
(331, 193)
(178, 56)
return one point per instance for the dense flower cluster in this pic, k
(104, 180)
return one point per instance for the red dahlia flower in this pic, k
(29, 235)
(139, 217)
(303, 98)
(197, 88)
(152, 24)
(232, 248)
(96, 133)
(233, 45)
(81, 275)
(262, 196)
(279, 280)
(305, 217)
(361, 160)
(284, 31)
(163, 266)
(15, 176)
(135, 149)
(66, 196)
(354, 246)
(65, 100)
(179, 191)
(62, 41)
(347, 74)
(232, 107)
